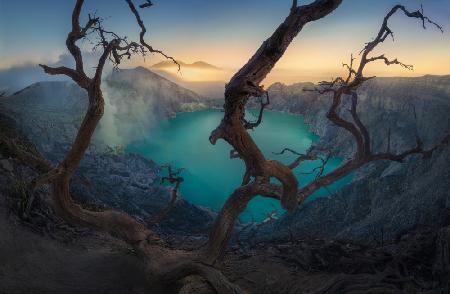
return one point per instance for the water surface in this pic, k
(210, 175)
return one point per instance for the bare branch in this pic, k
(287, 150)
(173, 177)
(390, 62)
(263, 105)
(82, 80)
(385, 31)
(144, 31)
(351, 127)
(301, 157)
(147, 4)
(418, 149)
(294, 5)
(319, 170)
(351, 71)
(75, 35)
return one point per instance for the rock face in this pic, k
(48, 114)
(403, 105)
(385, 199)
(132, 184)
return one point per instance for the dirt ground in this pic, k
(35, 264)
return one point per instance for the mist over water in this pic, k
(210, 175)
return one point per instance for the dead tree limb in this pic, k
(263, 104)
(301, 157)
(175, 179)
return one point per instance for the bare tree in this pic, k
(173, 177)
(259, 170)
(162, 263)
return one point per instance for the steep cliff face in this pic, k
(385, 199)
(402, 105)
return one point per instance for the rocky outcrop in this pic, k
(48, 114)
(130, 183)
(385, 199)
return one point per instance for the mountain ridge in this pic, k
(196, 64)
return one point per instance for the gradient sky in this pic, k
(226, 33)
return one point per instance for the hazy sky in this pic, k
(226, 33)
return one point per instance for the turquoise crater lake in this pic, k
(210, 175)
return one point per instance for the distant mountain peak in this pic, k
(197, 65)
(167, 63)
(204, 65)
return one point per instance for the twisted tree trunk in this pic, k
(243, 85)
(233, 127)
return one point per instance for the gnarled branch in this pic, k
(174, 178)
